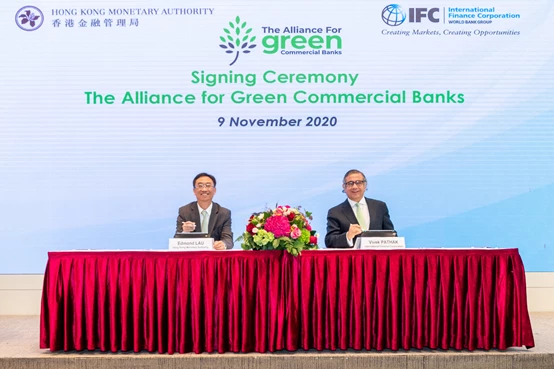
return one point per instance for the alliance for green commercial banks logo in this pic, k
(288, 40)
(237, 39)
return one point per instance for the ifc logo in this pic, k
(393, 15)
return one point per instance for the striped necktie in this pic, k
(205, 221)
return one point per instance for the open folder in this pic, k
(192, 235)
(379, 233)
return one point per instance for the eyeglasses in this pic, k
(204, 185)
(352, 183)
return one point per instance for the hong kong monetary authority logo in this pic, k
(237, 39)
(393, 15)
(29, 18)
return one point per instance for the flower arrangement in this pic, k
(282, 228)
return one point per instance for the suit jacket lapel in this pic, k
(349, 213)
(372, 213)
(213, 217)
(195, 216)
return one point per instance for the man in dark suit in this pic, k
(204, 215)
(356, 214)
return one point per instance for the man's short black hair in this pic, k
(203, 175)
(353, 171)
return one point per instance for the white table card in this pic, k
(191, 244)
(366, 243)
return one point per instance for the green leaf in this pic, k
(243, 25)
(222, 39)
(248, 30)
(238, 42)
(237, 30)
(252, 39)
(287, 241)
(232, 24)
(276, 243)
(226, 31)
(238, 19)
(243, 39)
(230, 38)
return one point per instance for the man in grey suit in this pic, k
(357, 214)
(206, 216)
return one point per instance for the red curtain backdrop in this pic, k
(259, 301)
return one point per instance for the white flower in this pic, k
(254, 230)
(261, 217)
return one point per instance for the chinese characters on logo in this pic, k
(95, 23)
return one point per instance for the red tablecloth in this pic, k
(244, 301)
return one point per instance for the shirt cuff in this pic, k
(350, 242)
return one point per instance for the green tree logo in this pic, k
(237, 39)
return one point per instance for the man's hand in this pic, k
(219, 245)
(353, 231)
(189, 226)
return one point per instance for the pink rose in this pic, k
(308, 227)
(296, 232)
(278, 225)
(313, 240)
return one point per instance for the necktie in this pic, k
(360, 216)
(205, 221)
